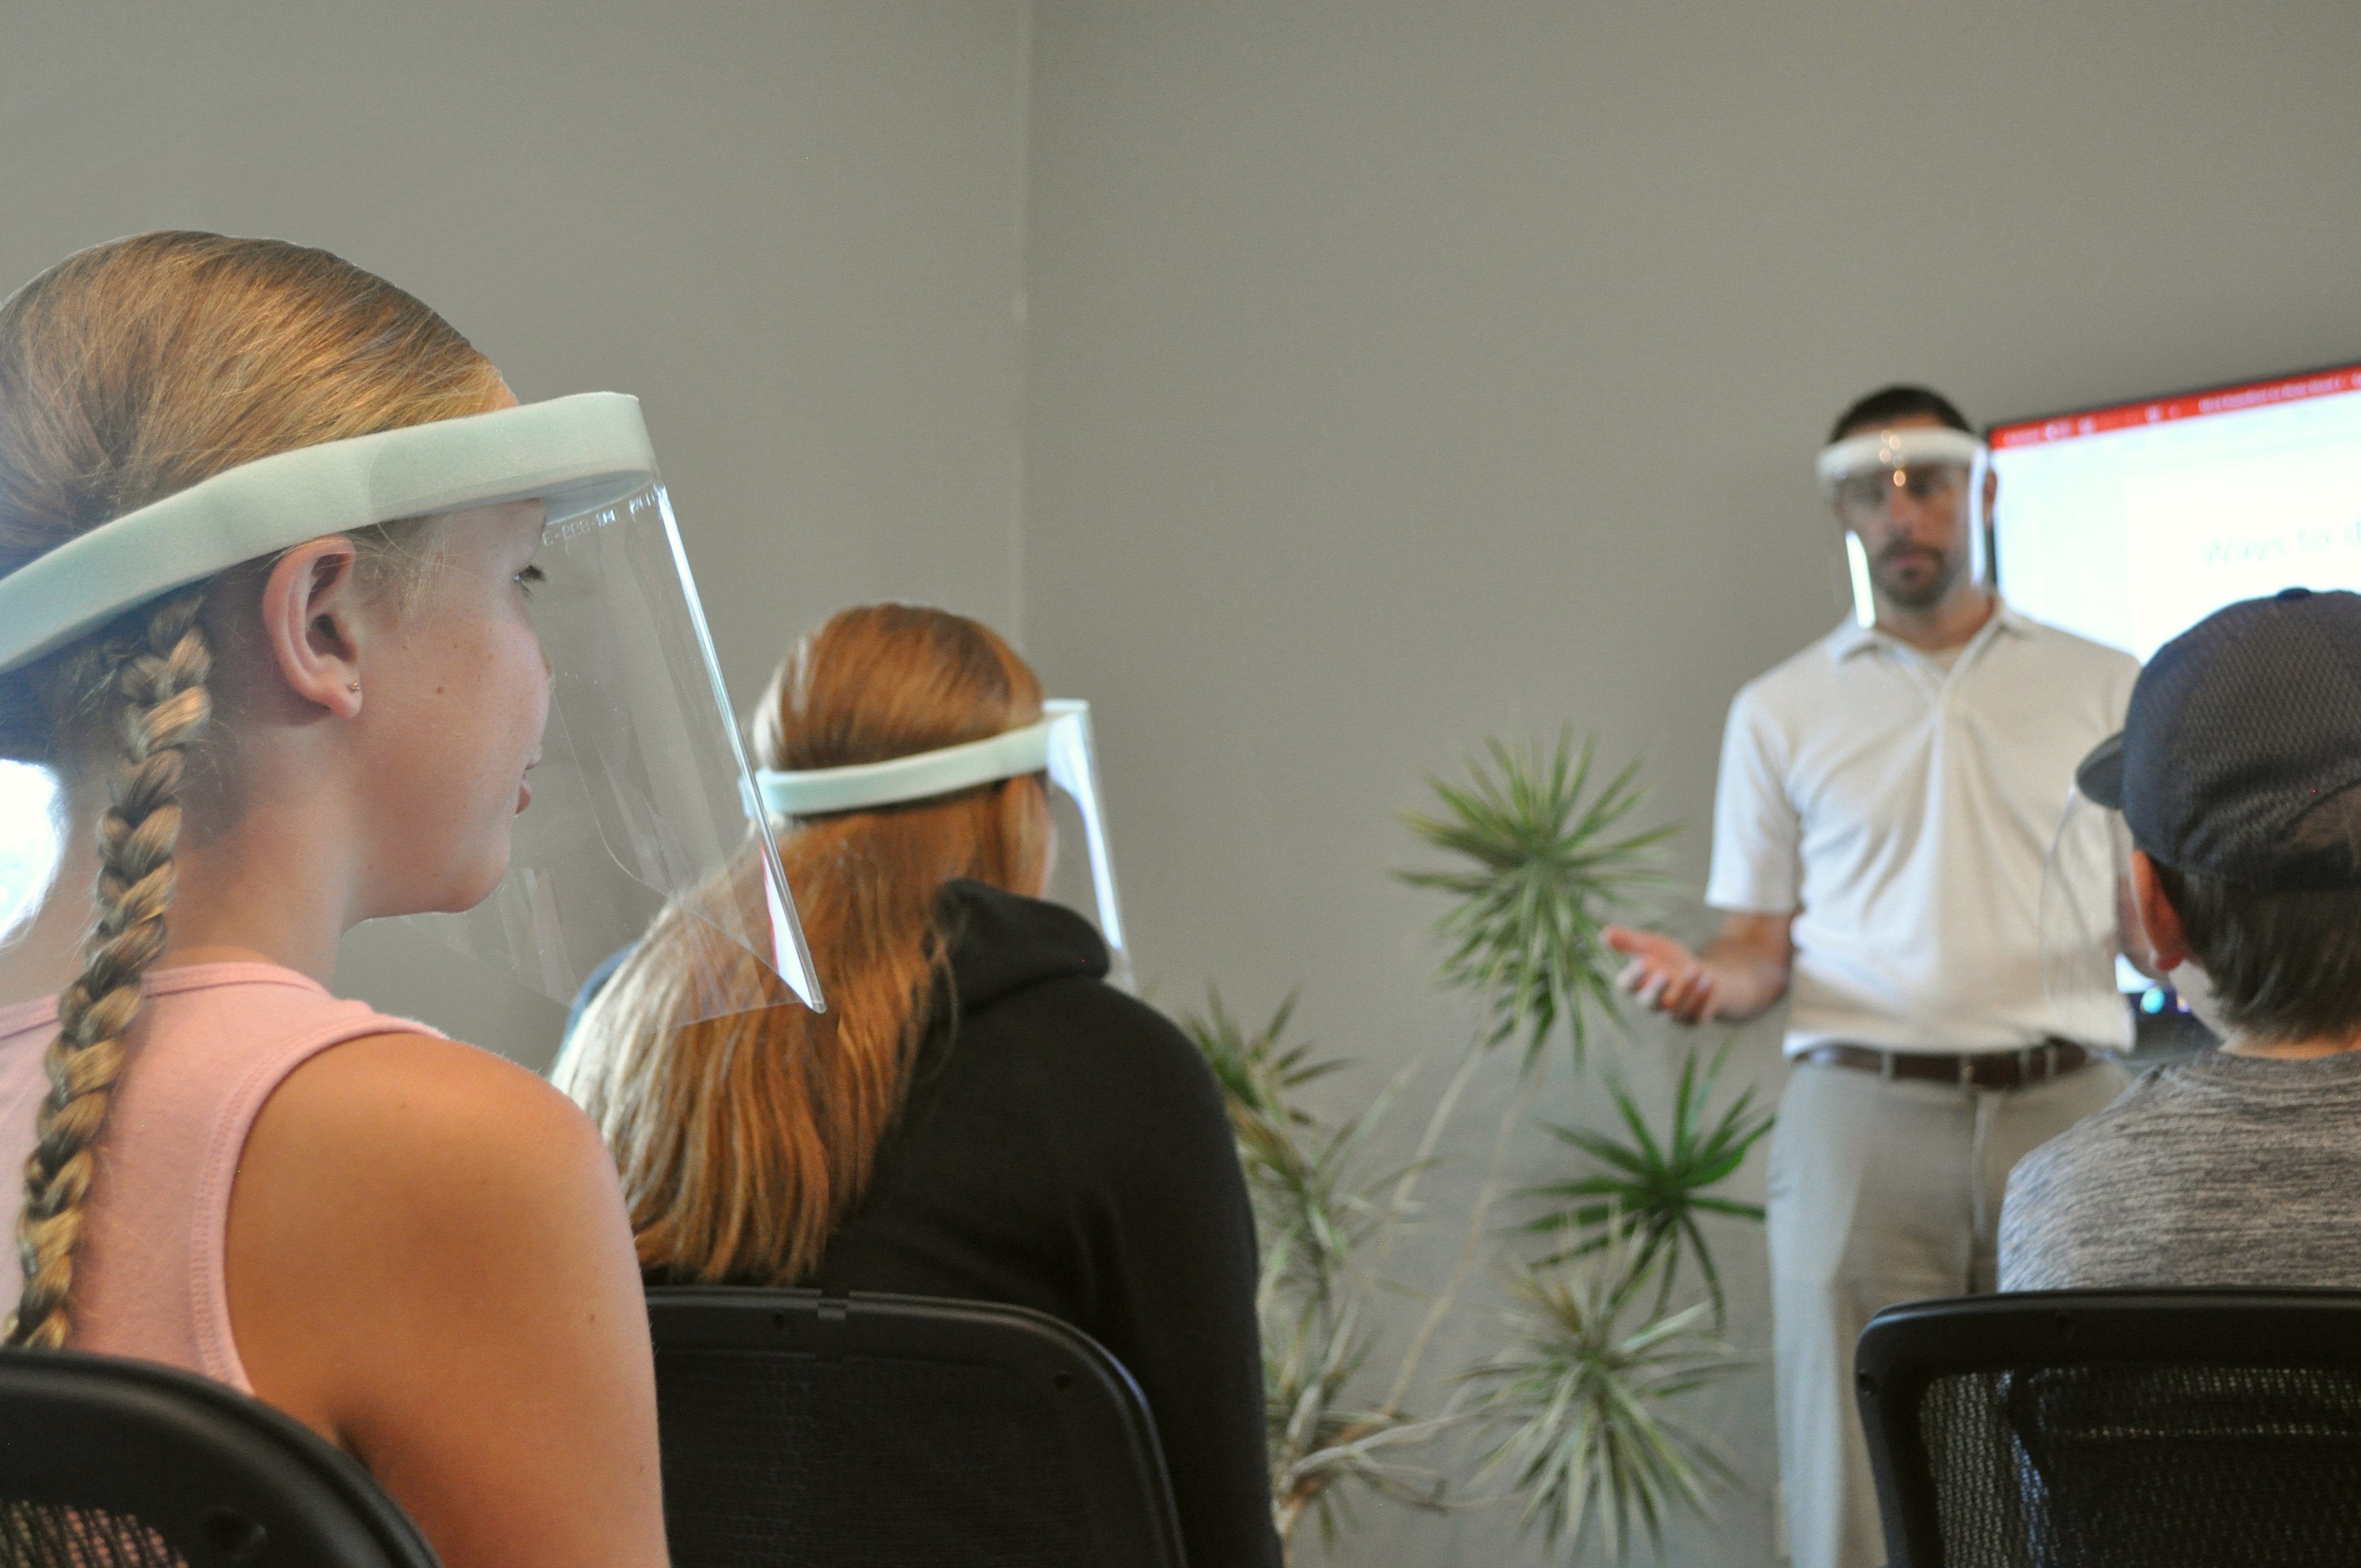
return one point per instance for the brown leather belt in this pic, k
(1972, 1070)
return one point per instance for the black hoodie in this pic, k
(1064, 1147)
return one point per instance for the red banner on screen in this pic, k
(2190, 405)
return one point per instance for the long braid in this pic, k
(165, 707)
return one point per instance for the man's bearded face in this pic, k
(1912, 526)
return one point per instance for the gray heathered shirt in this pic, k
(2221, 1170)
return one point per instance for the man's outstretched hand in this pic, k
(1664, 975)
(1742, 972)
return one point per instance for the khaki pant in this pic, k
(1880, 1190)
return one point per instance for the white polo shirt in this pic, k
(1903, 812)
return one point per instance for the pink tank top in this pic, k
(212, 1042)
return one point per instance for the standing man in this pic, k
(1886, 802)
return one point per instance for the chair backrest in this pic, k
(2093, 1428)
(113, 1464)
(899, 1432)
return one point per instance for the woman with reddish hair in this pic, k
(978, 1114)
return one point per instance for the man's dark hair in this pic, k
(1887, 404)
(2284, 966)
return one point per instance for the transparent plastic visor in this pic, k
(1862, 476)
(1061, 745)
(643, 799)
(1074, 769)
(2089, 923)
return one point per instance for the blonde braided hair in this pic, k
(165, 708)
(129, 372)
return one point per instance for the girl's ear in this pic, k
(312, 623)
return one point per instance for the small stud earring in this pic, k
(351, 685)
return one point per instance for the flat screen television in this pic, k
(2130, 522)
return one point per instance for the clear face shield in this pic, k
(1060, 745)
(2087, 926)
(642, 796)
(2095, 954)
(1866, 477)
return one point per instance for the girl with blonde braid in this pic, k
(411, 1246)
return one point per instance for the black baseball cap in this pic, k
(2243, 732)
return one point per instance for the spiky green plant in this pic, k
(1319, 1201)
(1259, 1073)
(1553, 860)
(1321, 1437)
(1653, 1188)
(1312, 1199)
(1582, 1402)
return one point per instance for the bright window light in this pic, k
(29, 839)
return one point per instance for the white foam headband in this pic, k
(577, 453)
(1012, 754)
(1873, 450)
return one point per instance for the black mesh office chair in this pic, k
(2097, 1429)
(896, 1432)
(110, 1464)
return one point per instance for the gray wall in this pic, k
(1396, 375)
(1405, 374)
(794, 230)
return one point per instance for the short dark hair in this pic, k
(2286, 965)
(1887, 404)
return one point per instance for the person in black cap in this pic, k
(2238, 775)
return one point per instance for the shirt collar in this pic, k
(1852, 637)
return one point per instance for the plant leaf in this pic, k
(1652, 1187)
(1580, 1405)
(1550, 865)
